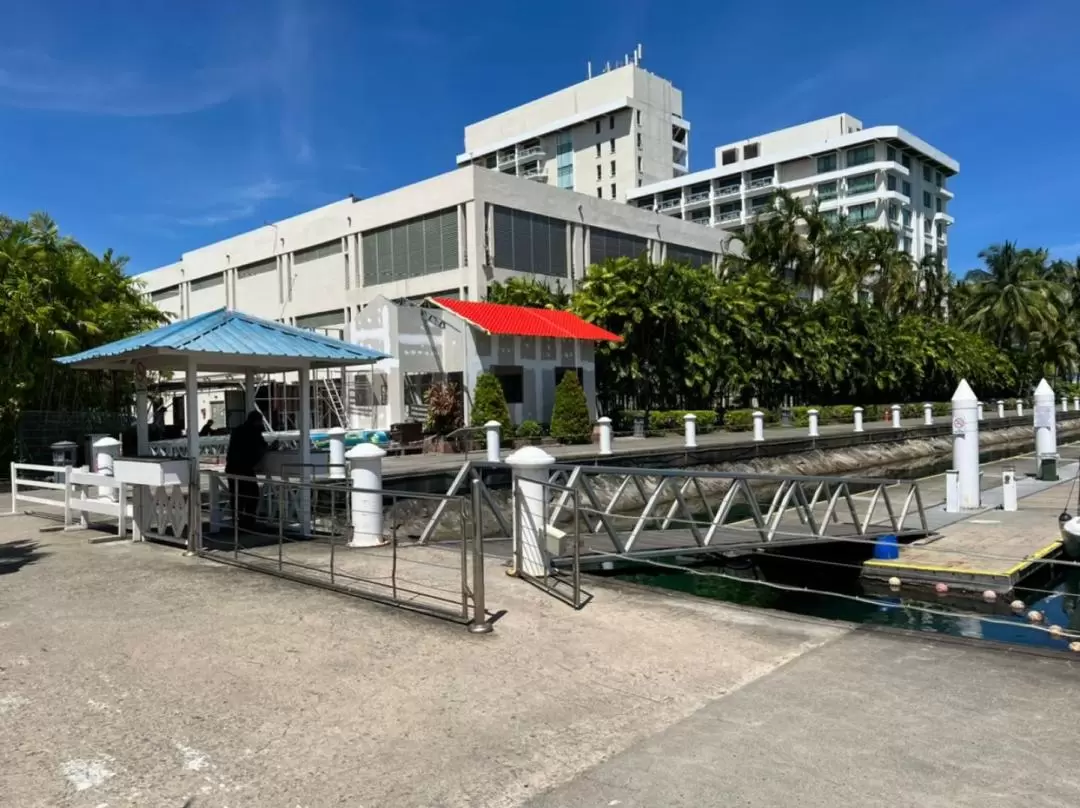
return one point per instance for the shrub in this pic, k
(489, 402)
(672, 420)
(838, 414)
(800, 416)
(914, 410)
(942, 408)
(706, 419)
(739, 420)
(443, 401)
(570, 422)
(529, 429)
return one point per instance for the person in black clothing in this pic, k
(246, 449)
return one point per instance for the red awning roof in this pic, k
(520, 321)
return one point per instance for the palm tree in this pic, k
(1013, 297)
(934, 284)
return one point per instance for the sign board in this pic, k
(959, 424)
(1044, 416)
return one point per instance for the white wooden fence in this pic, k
(81, 494)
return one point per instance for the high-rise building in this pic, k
(605, 136)
(881, 176)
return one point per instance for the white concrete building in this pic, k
(450, 236)
(882, 176)
(604, 136)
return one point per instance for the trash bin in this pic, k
(1047, 469)
(785, 416)
(639, 426)
(64, 453)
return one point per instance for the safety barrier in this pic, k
(77, 497)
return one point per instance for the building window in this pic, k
(907, 218)
(610, 121)
(317, 252)
(599, 191)
(637, 116)
(906, 189)
(938, 178)
(906, 160)
(862, 184)
(412, 248)
(927, 175)
(831, 216)
(894, 212)
(890, 154)
(605, 244)
(165, 294)
(512, 379)
(907, 245)
(529, 242)
(827, 190)
(926, 226)
(612, 190)
(564, 159)
(613, 168)
(639, 140)
(611, 146)
(251, 270)
(491, 161)
(937, 204)
(566, 176)
(639, 165)
(941, 229)
(750, 151)
(599, 172)
(860, 156)
(926, 199)
(826, 163)
(598, 126)
(689, 255)
(859, 214)
(729, 156)
(890, 182)
(597, 149)
(639, 182)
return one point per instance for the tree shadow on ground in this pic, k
(14, 555)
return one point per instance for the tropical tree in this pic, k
(529, 292)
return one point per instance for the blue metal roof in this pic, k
(228, 334)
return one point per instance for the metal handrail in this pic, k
(761, 182)
(728, 190)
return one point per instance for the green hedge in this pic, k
(665, 420)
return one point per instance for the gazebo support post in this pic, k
(191, 421)
(142, 422)
(305, 451)
(249, 391)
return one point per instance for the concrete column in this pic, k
(336, 436)
(491, 434)
(1064, 403)
(896, 416)
(759, 426)
(812, 415)
(979, 410)
(530, 465)
(928, 414)
(142, 422)
(1019, 407)
(249, 391)
(1045, 421)
(858, 413)
(690, 430)
(965, 413)
(365, 495)
(605, 435)
(1001, 408)
(106, 450)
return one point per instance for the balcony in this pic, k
(728, 190)
(729, 216)
(536, 175)
(759, 183)
(531, 152)
(669, 204)
(701, 197)
(941, 216)
(506, 160)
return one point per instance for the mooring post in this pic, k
(336, 438)
(1076, 403)
(690, 430)
(759, 426)
(530, 492)
(1008, 489)
(491, 434)
(1001, 408)
(812, 415)
(1064, 403)
(928, 414)
(896, 416)
(1045, 431)
(858, 412)
(965, 415)
(979, 411)
(106, 450)
(365, 494)
(1020, 407)
(604, 423)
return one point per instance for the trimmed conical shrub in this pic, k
(570, 416)
(489, 403)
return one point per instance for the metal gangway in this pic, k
(595, 515)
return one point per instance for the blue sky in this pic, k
(155, 128)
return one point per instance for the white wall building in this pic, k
(882, 176)
(451, 235)
(604, 136)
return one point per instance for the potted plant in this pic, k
(570, 422)
(444, 416)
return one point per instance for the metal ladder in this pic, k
(333, 396)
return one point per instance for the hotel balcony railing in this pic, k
(729, 216)
(669, 204)
(700, 196)
(761, 182)
(728, 190)
(532, 151)
(538, 176)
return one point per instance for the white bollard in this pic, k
(491, 435)
(928, 414)
(812, 415)
(105, 451)
(858, 412)
(530, 465)
(1001, 408)
(759, 426)
(690, 430)
(896, 416)
(1020, 408)
(1008, 490)
(965, 415)
(1076, 403)
(952, 491)
(1045, 421)
(979, 411)
(336, 437)
(1064, 403)
(365, 494)
(605, 435)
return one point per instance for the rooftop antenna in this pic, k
(589, 69)
(639, 54)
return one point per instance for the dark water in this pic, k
(834, 571)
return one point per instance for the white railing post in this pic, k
(67, 497)
(965, 408)
(858, 413)
(1076, 403)
(605, 434)
(105, 452)
(812, 416)
(1001, 408)
(759, 426)
(1020, 407)
(928, 414)
(121, 516)
(952, 491)
(690, 430)
(14, 488)
(530, 465)
(1064, 403)
(365, 495)
(1008, 490)
(979, 411)
(491, 434)
(336, 439)
(896, 416)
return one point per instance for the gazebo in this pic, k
(221, 341)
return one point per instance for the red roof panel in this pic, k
(521, 321)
